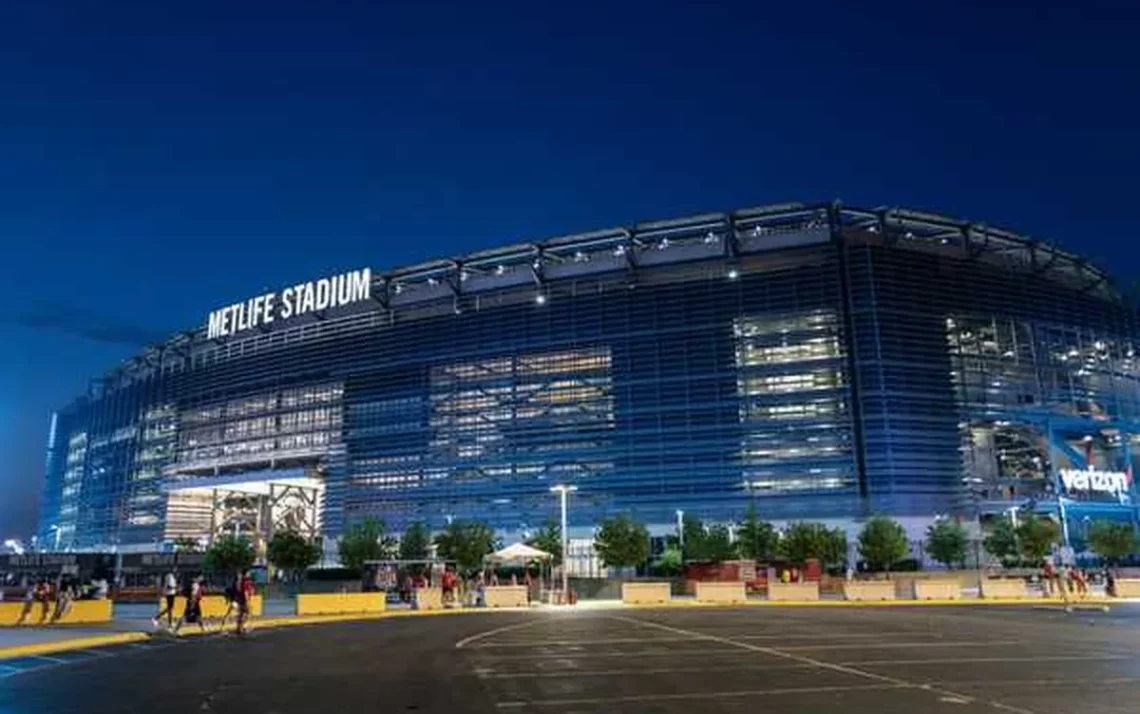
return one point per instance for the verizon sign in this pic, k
(1092, 480)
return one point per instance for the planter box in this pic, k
(937, 590)
(1128, 588)
(793, 592)
(645, 593)
(720, 592)
(997, 589)
(869, 590)
(339, 603)
(506, 596)
(80, 612)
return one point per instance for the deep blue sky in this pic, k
(159, 162)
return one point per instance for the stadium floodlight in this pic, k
(710, 237)
(539, 299)
(733, 273)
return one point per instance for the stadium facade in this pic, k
(818, 361)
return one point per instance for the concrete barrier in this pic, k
(506, 596)
(1128, 588)
(644, 593)
(793, 591)
(720, 592)
(997, 589)
(937, 590)
(81, 612)
(429, 598)
(339, 603)
(869, 590)
(213, 606)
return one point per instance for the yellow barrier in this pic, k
(1128, 588)
(213, 606)
(937, 590)
(720, 592)
(869, 590)
(79, 613)
(644, 593)
(506, 596)
(793, 591)
(339, 603)
(994, 589)
(429, 598)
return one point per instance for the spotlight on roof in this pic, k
(619, 251)
(580, 257)
(733, 273)
(463, 275)
(540, 299)
(398, 288)
(710, 237)
(663, 244)
(500, 269)
(433, 281)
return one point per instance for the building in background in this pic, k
(817, 361)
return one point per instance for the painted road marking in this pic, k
(507, 628)
(982, 660)
(696, 695)
(823, 665)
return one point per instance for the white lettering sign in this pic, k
(1091, 480)
(293, 301)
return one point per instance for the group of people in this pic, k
(238, 594)
(55, 597)
(1069, 581)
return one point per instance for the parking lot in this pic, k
(916, 661)
(1017, 659)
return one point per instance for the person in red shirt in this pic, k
(246, 591)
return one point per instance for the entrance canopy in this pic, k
(518, 553)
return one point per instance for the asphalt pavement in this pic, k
(1017, 660)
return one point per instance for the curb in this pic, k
(79, 643)
(974, 602)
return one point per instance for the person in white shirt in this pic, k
(169, 591)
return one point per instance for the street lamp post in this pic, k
(562, 490)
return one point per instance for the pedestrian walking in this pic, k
(169, 587)
(64, 595)
(193, 610)
(245, 593)
(30, 595)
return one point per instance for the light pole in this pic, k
(681, 529)
(562, 490)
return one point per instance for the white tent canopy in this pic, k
(519, 553)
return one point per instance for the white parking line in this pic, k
(889, 645)
(483, 655)
(574, 643)
(983, 660)
(900, 683)
(693, 695)
(507, 628)
(483, 673)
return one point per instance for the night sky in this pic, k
(156, 163)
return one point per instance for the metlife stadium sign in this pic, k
(300, 299)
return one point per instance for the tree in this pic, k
(946, 541)
(549, 539)
(708, 543)
(364, 541)
(415, 543)
(622, 542)
(1002, 540)
(756, 539)
(882, 543)
(1112, 541)
(290, 551)
(669, 564)
(228, 554)
(1037, 536)
(834, 551)
(467, 543)
(802, 542)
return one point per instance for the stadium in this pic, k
(817, 361)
